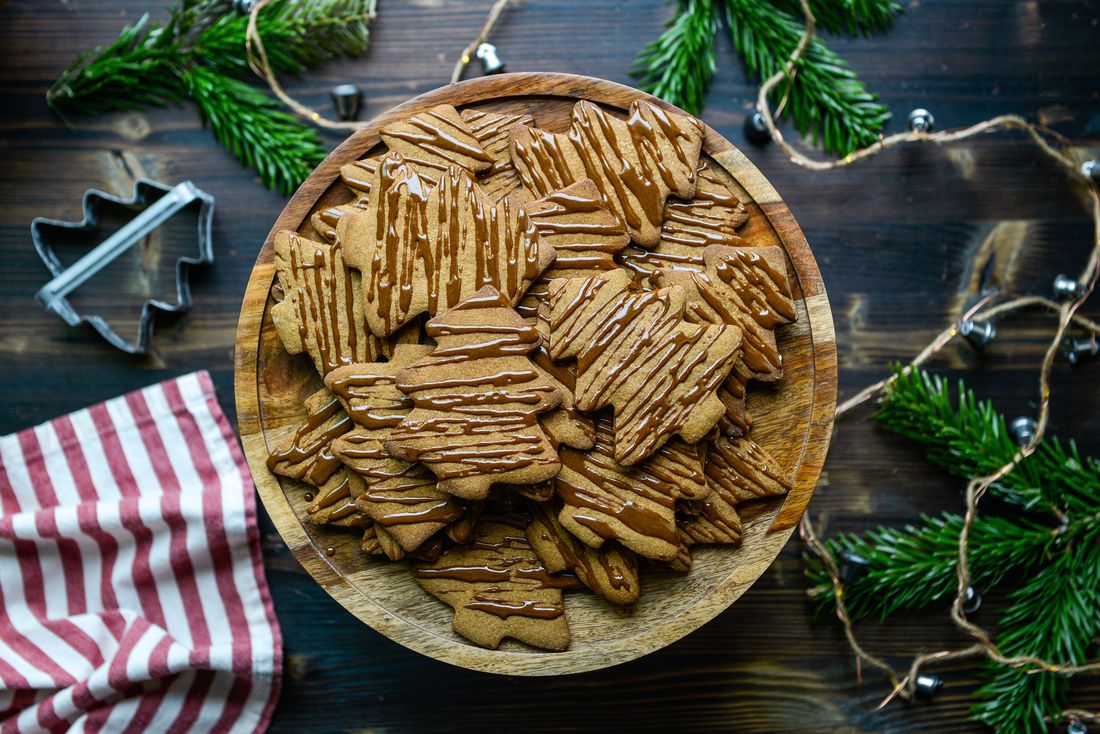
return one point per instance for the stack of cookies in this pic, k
(535, 348)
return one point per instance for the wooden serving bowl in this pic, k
(793, 420)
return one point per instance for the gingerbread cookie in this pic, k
(611, 571)
(635, 351)
(635, 163)
(357, 177)
(399, 496)
(499, 589)
(321, 313)
(435, 140)
(744, 469)
(491, 131)
(745, 286)
(584, 234)
(425, 246)
(711, 217)
(635, 505)
(478, 396)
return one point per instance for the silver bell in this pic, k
(346, 99)
(244, 7)
(1078, 348)
(1066, 288)
(927, 685)
(1091, 169)
(852, 566)
(980, 334)
(1023, 429)
(973, 600)
(490, 62)
(921, 121)
(1077, 727)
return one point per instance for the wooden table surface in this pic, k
(896, 239)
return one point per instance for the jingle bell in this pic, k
(1079, 348)
(852, 566)
(756, 129)
(1066, 288)
(490, 63)
(921, 121)
(1023, 429)
(346, 99)
(980, 334)
(927, 685)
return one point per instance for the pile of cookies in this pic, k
(535, 348)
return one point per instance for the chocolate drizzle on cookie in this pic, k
(636, 164)
(478, 396)
(635, 351)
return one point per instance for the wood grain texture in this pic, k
(793, 420)
(894, 238)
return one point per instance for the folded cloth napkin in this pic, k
(132, 591)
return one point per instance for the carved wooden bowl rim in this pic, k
(772, 528)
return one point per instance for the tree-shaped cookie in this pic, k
(711, 217)
(635, 351)
(491, 131)
(478, 397)
(583, 233)
(499, 589)
(738, 470)
(424, 246)
(745, 286)
(321, 313)
(399, 496)
(635, 505)
(636, 163)
(610, 570)
(307, 456)
(435, 140)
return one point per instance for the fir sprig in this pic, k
(824, 98)
(679, 65)
(1054, 546)
(199, 54)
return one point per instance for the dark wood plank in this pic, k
(892, 238)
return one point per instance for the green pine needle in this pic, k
(826, 100)
(199, 53)
(1055, 615)
(914, 566)
(256, 129)
(1054, 547)
(854, 17)
(678, 66)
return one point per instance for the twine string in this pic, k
(904, 686)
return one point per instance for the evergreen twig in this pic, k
(679, 65)
(826, 100)
(199, 53)
(1054, 547)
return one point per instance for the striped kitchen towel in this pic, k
(132, 591)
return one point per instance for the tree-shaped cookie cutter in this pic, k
(166, 201)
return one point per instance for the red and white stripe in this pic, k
(132, 592)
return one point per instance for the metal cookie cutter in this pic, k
(166, 201)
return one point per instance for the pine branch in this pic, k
(854, 17)
(968, 438)
(678, 66)
(1055, 616)
(826, 101)
(139, 69)
(256, 129)
(296, 35)
(198, 52)
(913, 567)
